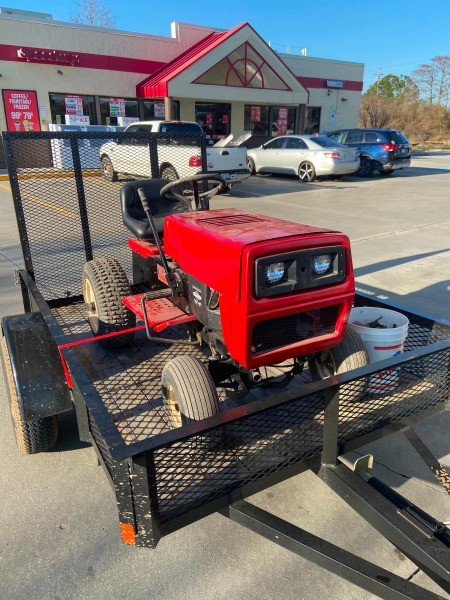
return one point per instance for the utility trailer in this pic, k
(165, 478)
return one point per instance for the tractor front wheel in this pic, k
(190, 395)
(104, 285)
(34, 436)
(348, 355)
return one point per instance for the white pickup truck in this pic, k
(178, 154)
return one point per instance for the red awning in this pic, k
(156, 86)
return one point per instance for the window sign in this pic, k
(255, 114)
(160, 111)
(77, 120)
(74, 105)
(117, 107)
(333, 83)
(282, 120)
(21, 110)
(125, 121)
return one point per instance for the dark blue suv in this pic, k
(383, 150)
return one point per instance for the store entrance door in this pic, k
(215, 119)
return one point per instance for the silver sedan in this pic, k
(307, 156)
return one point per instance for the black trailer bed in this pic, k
(271, 431)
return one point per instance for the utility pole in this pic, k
(379, 74)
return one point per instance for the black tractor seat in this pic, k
(133, 215)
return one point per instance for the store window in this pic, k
(312, 119)
(153, 110)
(64, 106)
(118, 111)
(256, 119)
(215, 119)
(283, 120)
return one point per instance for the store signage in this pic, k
(125, 121)
(255, 114)
(282, 120)
(21, 110)
(160, 111)
(334, 83)
(45, 55)
(74, 105)
(77, 120)
(116, 107)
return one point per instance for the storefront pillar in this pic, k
(168, 108)
(301, 118)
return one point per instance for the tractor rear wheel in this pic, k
(348, 355)
(104, 285)
(34, 436)
(190, 395)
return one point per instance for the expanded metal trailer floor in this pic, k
(129, 382)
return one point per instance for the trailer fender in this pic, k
(37, 370)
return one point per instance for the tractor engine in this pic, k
(264, 289)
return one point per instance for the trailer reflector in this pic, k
(127, 533)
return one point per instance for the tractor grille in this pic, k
(276, 333)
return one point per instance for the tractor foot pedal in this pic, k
(160, 312)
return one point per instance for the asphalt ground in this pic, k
(59, 534)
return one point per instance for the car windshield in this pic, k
(397, 137)
(325, 142)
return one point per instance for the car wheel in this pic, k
(251, 165)
(306, 172)
(225, 190)
(386, 172)
(169, 173)
(108, 170)
(366, 168)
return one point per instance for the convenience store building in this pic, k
(230, 81)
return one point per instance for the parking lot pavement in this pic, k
(59, 535)
(399, 226)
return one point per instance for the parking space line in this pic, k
(49, 205)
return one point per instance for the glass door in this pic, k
(215, 119)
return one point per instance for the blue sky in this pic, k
(395, 36)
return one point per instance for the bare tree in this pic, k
(426, 78)
(442, 65)
(377, 111)
(93, 12)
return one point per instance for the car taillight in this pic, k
(195, 161)
(391, 147)
(332, 155)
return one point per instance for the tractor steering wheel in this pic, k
(192, 198)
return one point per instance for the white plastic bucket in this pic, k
(380, 343)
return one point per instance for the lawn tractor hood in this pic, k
(285, 289)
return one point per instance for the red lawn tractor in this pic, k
(253, 290)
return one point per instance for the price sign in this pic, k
(21, 110)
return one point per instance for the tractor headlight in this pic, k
(298, 270)
(321, 264)
(275, 272)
